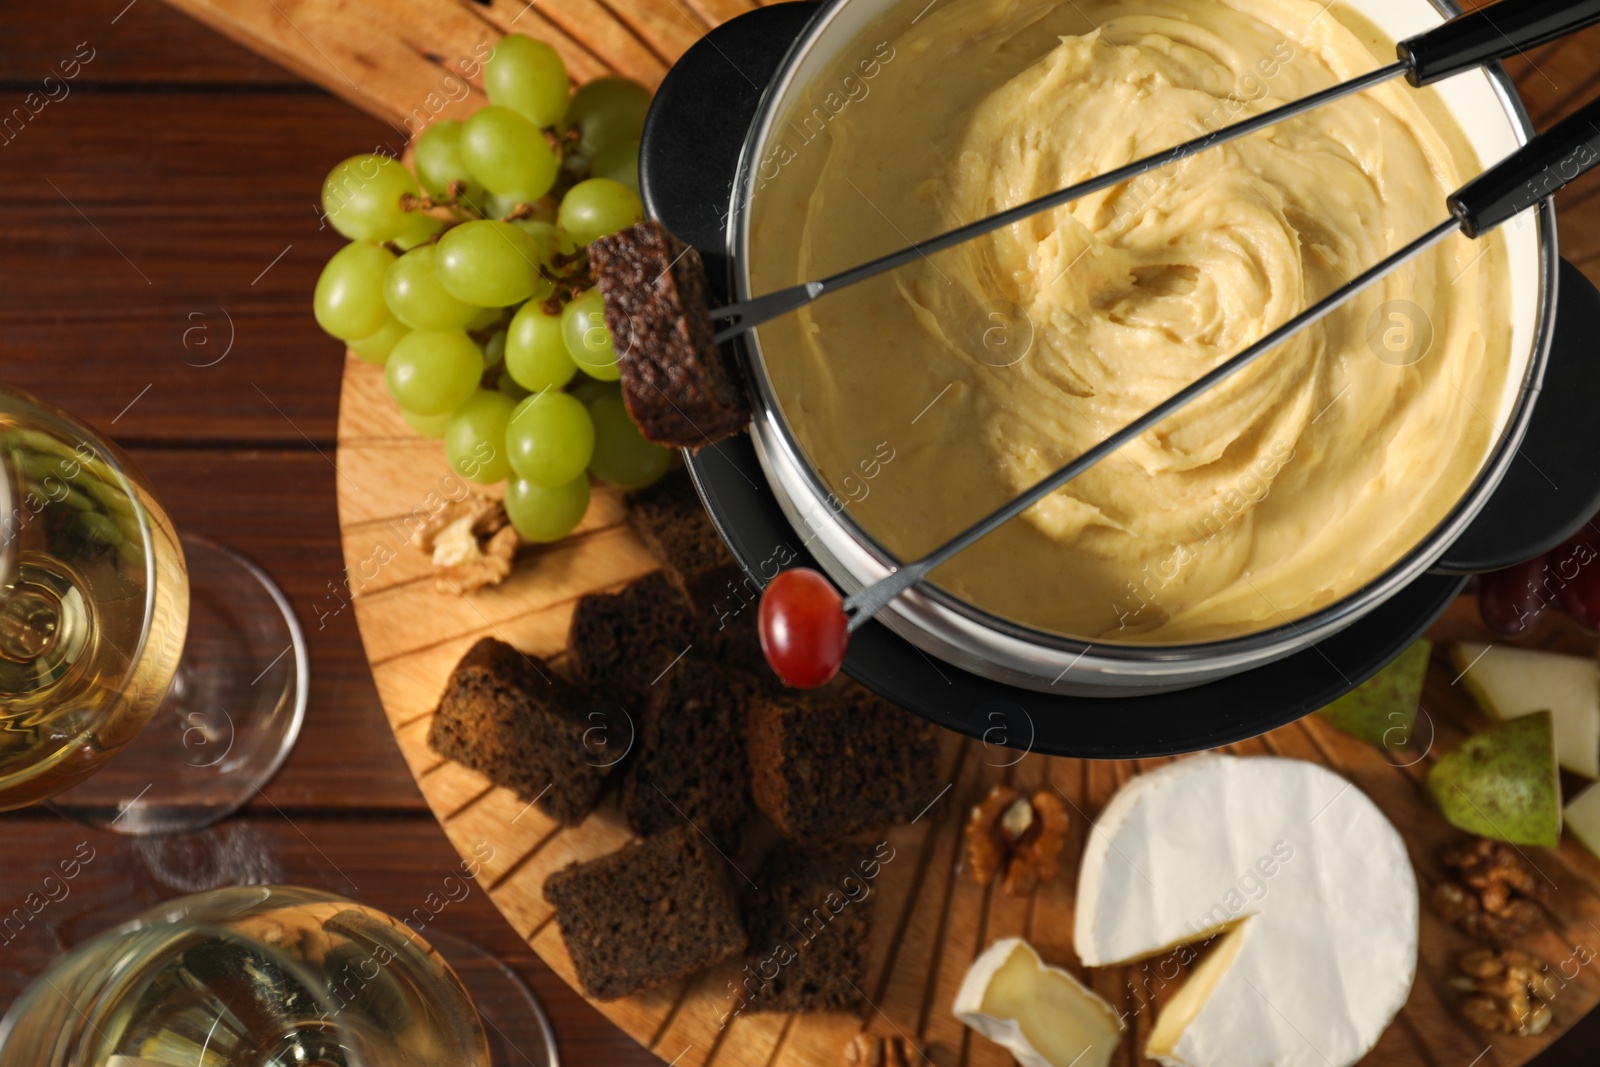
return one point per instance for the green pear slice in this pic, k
(1508, 682)
(1382, 709)
(1583, 817)
(1503, 783)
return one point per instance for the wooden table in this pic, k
(157, 253)
(161, 207)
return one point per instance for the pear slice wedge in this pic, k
(1503, 783)
(1507, 682)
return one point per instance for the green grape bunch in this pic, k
(466, 280)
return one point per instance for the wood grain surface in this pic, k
(166, 184)
(200, 162)
(931, 917)
(401, 60)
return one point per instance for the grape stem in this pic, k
(571, 276)
(463, 212)
(458, 189)
(562, 143)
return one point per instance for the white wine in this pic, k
(94, 601)
(257, 976)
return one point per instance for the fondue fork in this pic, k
(1493, 32)
(804, 624)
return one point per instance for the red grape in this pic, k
(1511, 600)
(804, 630)
(1575, 570)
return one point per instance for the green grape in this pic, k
(475, 440)
(494, 349)
(607, 112)
(583, 325)
(551, 438)
(588, 389)
(491, 264)
(430, 372)
(361, 197)
(508, 154)
(429, 426)
(348, 301)
(508, 385)
(528, 77)
(498, 207)
(438, 161)
(574, 167)
(548, 237)
(620, 163)
(414, 293)
(503, 207)
(420, 230)
(376, 349)
(485, 318)
(621, 455)
(598, 208)
(536, 350)
(542, 514)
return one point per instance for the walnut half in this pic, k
(1017, 838)
(472, 543)
(1509, 991)
(1491, 894)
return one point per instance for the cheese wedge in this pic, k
(1041, 1014)
(1307, 883)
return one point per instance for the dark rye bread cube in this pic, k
(674, 526)
(689, 766)
(681, 390)
(733, 640)
(508, 716)
(829, 764)
(809, 925)
(619, 643)
(656, 911)
(669, 518)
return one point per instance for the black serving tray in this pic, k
(688, 161)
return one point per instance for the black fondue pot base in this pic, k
(1003, 716)
(689, 152)
(688, 162)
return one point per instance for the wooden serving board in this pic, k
(402, 60)
(932, 918)
(409, 61)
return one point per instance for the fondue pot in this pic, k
(1012, 685)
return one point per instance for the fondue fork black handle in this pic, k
(1536, 170)
(1466, 41)
(1496, 31)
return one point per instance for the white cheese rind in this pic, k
(1092, 1036)
(1297, 853)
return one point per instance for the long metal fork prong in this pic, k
(746, 314)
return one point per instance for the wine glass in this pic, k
(254, 976)
(149, 682)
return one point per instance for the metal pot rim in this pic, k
(776, 443)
